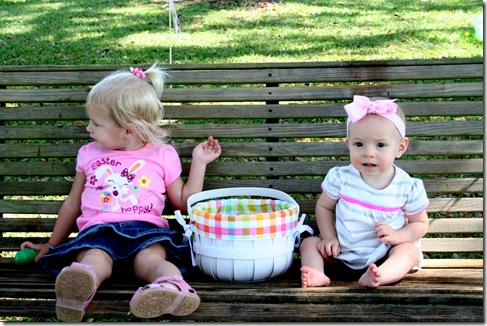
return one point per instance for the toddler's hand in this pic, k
(42, 249)
(207, 151)
(329, 247)
(386, 233)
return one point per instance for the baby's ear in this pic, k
(403, 146)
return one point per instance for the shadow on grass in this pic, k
(113, 31)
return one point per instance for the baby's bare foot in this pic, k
(310, 277)
(371, 278)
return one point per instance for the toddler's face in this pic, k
(107, 133)
(374, 144)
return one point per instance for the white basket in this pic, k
(243, 256)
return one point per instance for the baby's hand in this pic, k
(386, 233)
(207, 151)
(329, 247)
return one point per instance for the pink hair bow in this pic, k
(362, 105)
(138, 72)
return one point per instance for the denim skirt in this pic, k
(122, 241)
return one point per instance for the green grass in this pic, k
(137, 31)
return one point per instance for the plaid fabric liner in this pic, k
(244, 219)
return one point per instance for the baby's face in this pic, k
(374, 143)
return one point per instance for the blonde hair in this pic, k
(131, 99)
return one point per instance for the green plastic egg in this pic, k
(25, 256)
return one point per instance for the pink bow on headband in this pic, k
(362, 105)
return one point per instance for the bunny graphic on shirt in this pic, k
(119, 185)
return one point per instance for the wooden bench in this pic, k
(281, 126)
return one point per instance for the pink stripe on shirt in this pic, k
(367, 205)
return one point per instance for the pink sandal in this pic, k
(75, 288)
(157, 298)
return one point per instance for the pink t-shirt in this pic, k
(126, 185)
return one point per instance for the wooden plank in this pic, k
(304, 148)
(428, 245)
(453, 263)
(40, 150)
(291, 186)
(449, 226)
(259, 169)
(265, 130)
(455, 225)
(238, 312)
(262, 94)
(319, 111)
(259, 75)
(403, 91)
(255, 111)
(436, 225)
(444, 245)
(471, 206)
(314, 130)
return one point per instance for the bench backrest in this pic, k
(281, 126)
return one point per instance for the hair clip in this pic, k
(138, 72)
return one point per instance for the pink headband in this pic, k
(361, 106)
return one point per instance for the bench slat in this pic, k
(266, 130)
(437, 205)
(436, 225)
(258, 169)
(447, 185)
(257, 76)
(442, 245)
(428, 245)
(261, 94)
(267, 149)
(259, 312)
(269, 111)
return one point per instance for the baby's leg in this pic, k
(399, 262)
(312, 270)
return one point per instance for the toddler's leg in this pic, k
(400, 261)
(76, 284)
(312, 270)
(167, 292)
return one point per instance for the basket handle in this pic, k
(239, 191)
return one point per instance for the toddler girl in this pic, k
(371, 213)
(122, 181)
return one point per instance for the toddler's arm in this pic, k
(178, 192)
(68, 213)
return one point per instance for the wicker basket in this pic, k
(243, 239)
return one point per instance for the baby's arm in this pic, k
(329, 244)
(178, 192)
(414, 230)
(68, 213)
